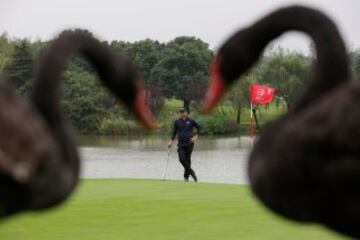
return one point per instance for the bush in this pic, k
(118, 126)
(83, 114)
(216, 125)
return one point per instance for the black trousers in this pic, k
(184, 152)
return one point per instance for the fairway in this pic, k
(151, 209)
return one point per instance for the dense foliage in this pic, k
(175, 74)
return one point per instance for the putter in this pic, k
(167, 164)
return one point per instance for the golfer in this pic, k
(183, 128)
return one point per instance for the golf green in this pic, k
(151, 209)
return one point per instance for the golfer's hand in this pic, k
(194, 138)
(169, 145)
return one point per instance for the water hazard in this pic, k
(220, 159)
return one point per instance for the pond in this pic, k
(215, 159)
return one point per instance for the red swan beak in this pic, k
(216, 89)
(141, 110)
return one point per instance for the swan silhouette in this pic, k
(306, 164)
(39, 162)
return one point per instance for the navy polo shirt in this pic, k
(183, 128)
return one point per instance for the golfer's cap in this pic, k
(181, 110)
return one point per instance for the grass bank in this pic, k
(150, 209)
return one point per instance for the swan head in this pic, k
(235, 57)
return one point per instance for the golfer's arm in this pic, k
(198, 129)
(174, 132)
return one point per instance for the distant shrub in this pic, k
(118, 126)
(216, 125)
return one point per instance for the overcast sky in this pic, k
(210, 20)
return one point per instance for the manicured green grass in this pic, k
(150, 209)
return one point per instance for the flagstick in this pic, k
(251, 123)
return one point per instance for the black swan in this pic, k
(306, 164)
(39, 162)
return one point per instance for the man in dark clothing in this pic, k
(183, 128)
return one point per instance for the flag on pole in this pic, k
(251, 122)
(261, 94)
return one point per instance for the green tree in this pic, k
(84, 101)
(145, 54)
(239, 94)
(120, 46)
(286, 72)
(6, 49)
(20, 68)
(183, 61)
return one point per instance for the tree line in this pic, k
(177, 69)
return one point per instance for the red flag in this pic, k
(261, 94)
